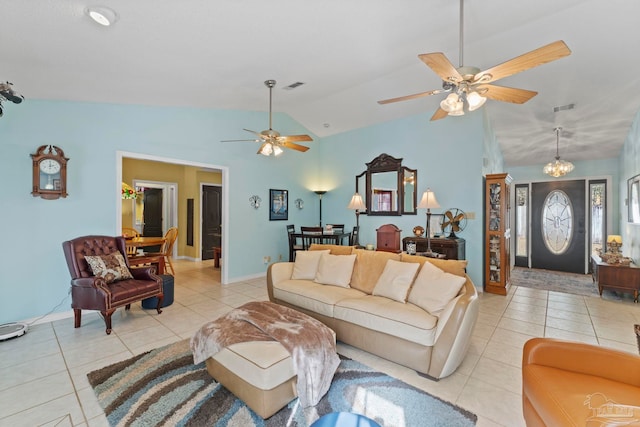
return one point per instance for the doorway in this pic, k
(558, 226)
(211, 219)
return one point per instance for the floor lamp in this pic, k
(429, 201)
(358, 205)
(320, 193)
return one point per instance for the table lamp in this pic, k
(358, 205)
(614, 243)
(428, 201)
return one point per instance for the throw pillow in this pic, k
(110, 267)
(396, 279)
(453, 266)
(306, 264)
(433, 288)
(368, 268)
(335, 270)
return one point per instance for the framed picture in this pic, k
(435, 225)
(633, 199)
(278, 205)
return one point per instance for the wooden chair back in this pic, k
(128, 232)
(309, 236)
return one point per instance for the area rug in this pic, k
(558, 281)
(164, 388)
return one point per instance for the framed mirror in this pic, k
(633, 199)
(388, 188)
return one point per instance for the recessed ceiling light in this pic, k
(102, 15)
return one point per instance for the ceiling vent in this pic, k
(293, 85)
(564, 108)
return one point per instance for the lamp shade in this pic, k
(357, 203)
(428, 200)
(614, 238)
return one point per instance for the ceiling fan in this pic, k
(272, 141)
(472, 85)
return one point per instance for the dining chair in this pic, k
(337, 228)
(167, 248)
(310, 235)
(293, 244)
(128, 232)
(353, 241)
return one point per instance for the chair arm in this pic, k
(582, 358)
(144, 273)
(276, 273)
(91, 282)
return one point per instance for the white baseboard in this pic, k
(245, 278)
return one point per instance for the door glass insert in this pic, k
(557, 222)
(597, 194)
(522, 220)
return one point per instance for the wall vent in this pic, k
(564, 108)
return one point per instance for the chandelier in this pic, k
(558, 168)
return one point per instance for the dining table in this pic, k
(142, 258)
(308, 238)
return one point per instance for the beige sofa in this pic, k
(373, 317)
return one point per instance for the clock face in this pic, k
(50, 166)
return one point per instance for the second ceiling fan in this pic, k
(272, 141)
(471, 85)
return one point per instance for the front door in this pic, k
(558, 226)
(211, 220)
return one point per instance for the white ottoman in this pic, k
(260, 373)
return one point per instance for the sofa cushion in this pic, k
(382, 314)
(368, 267)
(306, 264)
(453, 266)
(433, 288)
(312, 296)
(396, 279)
(335, 270)
(335, 249)
(111, 267)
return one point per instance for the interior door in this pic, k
(211, 220)
(152, 215)
(558, 226)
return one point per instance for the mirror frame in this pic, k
(387, 163)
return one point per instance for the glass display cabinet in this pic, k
(497, 233)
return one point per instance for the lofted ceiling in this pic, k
(349, 54)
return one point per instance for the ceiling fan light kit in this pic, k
(473, 86)
(8, 94)
(272, 142)
(558, 167)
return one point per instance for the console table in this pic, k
(624, 278)
(451, 248)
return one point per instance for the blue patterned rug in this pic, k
(164, 387)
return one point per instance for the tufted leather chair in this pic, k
(94, 293)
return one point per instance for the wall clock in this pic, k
(49, 173)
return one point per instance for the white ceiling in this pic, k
(349, 54)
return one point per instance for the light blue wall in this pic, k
(35, 277)
(629, 167)
(447, 155)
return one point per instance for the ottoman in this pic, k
(260, 373)
(167, 289)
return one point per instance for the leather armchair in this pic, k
(94, 293)
(574, 384)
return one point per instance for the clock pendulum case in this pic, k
(49, 173)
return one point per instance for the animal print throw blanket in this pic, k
(312, 345)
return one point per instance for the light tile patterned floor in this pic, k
(43, 374)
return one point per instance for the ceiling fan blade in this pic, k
(439, 114)
(259, 135)
(240, 140)
(293, 146)
(442, 66)
(292, 138)
(408, 97)
(542, 55)
(506, 94)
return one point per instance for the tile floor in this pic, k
(43, 374)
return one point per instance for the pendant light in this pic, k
(558, 168)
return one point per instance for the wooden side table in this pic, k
(623, 278)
